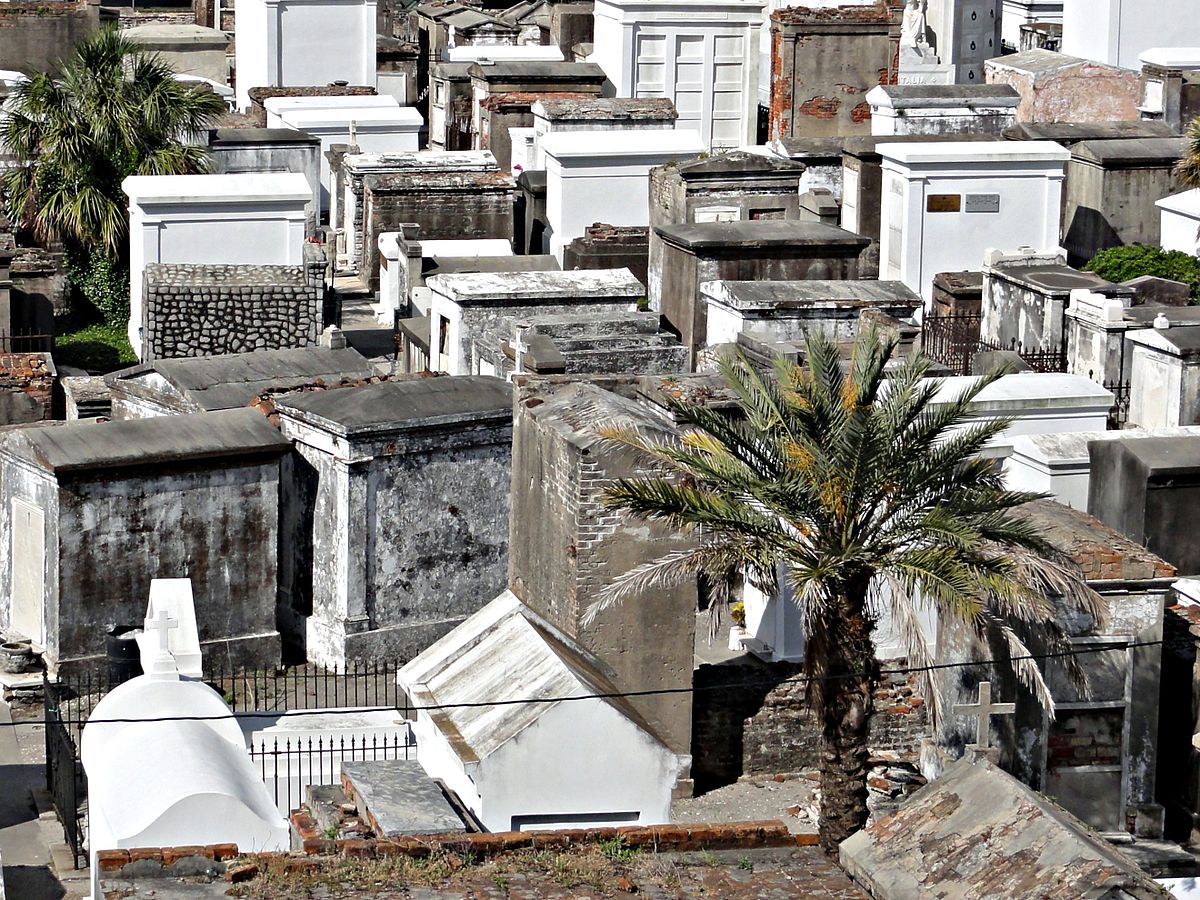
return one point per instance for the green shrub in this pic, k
(95, 348)
(1120, 264)
(104, 284)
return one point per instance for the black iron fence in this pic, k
(1119, 414)
(26, 342)
(288, 765)
(954, 340)
(65, 779)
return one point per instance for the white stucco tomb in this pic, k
(1117, 32)
(1059, 465)
(944, 203)
(371, 129)
(395, 279)
(1179, 216)
(239, 219)
(299, 43)
(702, 54)
(188, 782)
(942, 109)
(1164, 378)
(275, 107)
(604, 176)
(521, 140)
(519, 767)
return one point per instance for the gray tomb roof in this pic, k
(228, 137)
(766, 295)
(1074, 132)
(399, 798)
(537, 71)
(1058, 280)
(728, 238)
(901, 96)
(1119, 154)
(607, 109)
(85, 446)
(501, 288)
(977, 832)
(401, 405)
(235, 379)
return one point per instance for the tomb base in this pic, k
(334, 645)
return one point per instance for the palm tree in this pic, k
(866, 496)
(108, 111)
(1187, 169)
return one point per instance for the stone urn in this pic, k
(16, 657)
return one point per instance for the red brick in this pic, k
(319, 847)
(112, 860)
(172, 855)
(221, 852)
(139, 853)
(356, 849)
(240, 872)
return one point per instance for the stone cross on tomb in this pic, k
(982, 711)
(162, 624)
(519, 347)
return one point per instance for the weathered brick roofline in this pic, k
(793, 15)
(178, 861)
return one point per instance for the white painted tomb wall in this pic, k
(604, 176)
(1059, 465)
(239, 219)
(372, 130)
(701, 54)
(1117, 32)
(944, 203)
(277, 107)
(1179, 216)
(301, 43)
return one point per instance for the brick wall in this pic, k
(26, 388)
(207, 310)
(753, 720)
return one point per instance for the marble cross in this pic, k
(982, 711)
(518, 347)
(162, 623)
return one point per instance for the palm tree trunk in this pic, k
(844, 658)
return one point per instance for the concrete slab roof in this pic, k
(234, 380)
(535, 70)
(1073, 132)
(146, 442)
(905, 96)
(736, 237)
(507, 287)
(771, 295)
(648, 109)
(977, 831)
(1159, 152)
(401, 405)
(227, 137)
(241, 187)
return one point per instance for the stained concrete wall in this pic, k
(34, 36)
(405, 539)
(823, 63)
(109, 533)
